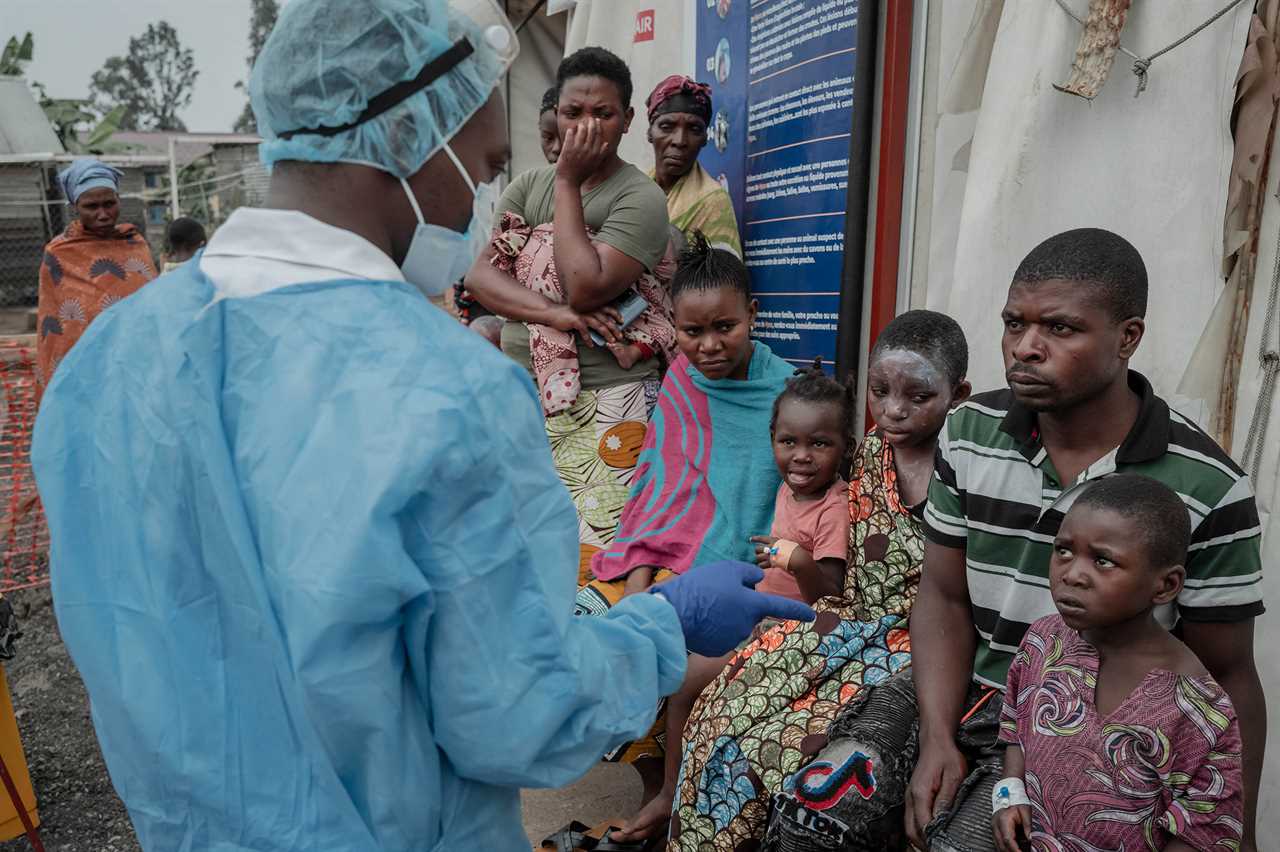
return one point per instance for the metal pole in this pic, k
(173, 178)
(854, 274)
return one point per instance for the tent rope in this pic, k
(1269, 357)
(1141, 65)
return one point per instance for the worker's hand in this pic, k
(583, 152)
(718, 605)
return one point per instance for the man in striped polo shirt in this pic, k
(1010, 464)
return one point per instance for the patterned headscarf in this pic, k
(680, 94)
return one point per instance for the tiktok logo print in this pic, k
(820, 785)
(823, 784)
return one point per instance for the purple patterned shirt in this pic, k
(1165, 762)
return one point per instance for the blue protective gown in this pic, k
(315, 566)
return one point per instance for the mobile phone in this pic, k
(631, 305)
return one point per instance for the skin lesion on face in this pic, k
(808, 445)
(1061, 344)
(677, 139)
(910, 396)
(99, 210)
(713, 330)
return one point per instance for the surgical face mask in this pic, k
(439, 257)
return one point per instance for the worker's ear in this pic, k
(628, 116)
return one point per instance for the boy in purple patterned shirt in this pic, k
(1117, 737)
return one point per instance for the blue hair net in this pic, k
(325, 60)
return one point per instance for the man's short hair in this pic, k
(1156, 511)
(1105, 261)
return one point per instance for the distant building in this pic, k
(234, 176)
(32, 210)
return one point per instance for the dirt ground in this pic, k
(79, 810)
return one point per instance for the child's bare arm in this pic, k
(816, 579)
(1012, 825)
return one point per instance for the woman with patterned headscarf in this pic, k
(679, 114)
(90, 266)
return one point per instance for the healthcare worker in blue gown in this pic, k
(309, 551)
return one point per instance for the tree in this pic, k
(153, 82)
(260, 24)
(78, 127)
(69, 117)
(16, 55)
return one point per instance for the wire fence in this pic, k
(21, 249)
(32, 211)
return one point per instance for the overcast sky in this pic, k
(74, 37)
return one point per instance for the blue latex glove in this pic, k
(718, 605)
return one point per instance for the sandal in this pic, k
(571, 838)
(579, 837)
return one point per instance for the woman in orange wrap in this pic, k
(93, 264)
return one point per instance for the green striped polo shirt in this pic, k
(996, 495)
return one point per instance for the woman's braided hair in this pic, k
(703, 267)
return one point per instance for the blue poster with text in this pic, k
(782, 77)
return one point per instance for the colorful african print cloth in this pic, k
(753, 726)
(528, 255)
(1165, 763)
(81, 276)
(595, 445)
(698, 202)
(706, 479)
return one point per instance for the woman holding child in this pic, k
(756, 722)
(572, 238)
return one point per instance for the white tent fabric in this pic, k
(541, 49)
(1152, 168)
(1017, 161)
(1267, 485)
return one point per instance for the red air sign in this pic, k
(644, 25)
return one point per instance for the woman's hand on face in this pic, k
(582, 152)
(763, 542)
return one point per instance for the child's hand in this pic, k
(763, 543)
(1012, 828)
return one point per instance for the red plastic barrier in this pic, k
(24, 535)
